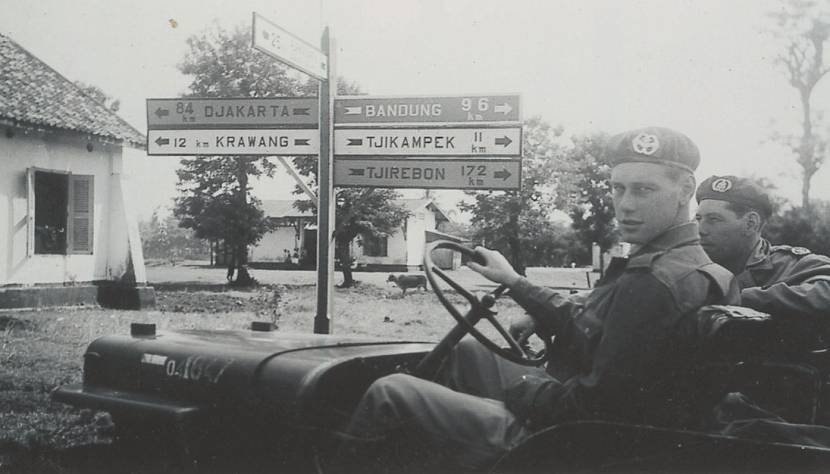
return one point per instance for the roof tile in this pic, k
(33, 93)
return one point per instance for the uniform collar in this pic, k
(676, 236)
(758, 259)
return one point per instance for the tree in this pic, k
(98, 95)
(803, 26)
(804, 227)
(503, 219)
(590, 203)
(214, 197)
(164, 238)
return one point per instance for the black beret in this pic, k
(737, 190)
(656, 145)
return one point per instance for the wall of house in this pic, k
(63, 152)
(271, 247)
(403, 250)
(417, 225)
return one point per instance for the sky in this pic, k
(704, 67)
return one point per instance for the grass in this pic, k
(41, 350)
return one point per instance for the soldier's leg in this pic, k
(474, 369)
(461, 429)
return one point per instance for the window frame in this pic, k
(71, 213)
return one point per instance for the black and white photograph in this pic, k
(423, 236)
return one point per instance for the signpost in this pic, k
(448, 142)
(419, 173)
(384, 111)
(283, 46)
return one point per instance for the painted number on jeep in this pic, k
(197, 368)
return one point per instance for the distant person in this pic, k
(616, 356)
(776, 279)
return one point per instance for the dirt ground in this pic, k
(41, 350)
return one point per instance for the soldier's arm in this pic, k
(810, 298)
(804, 292)
(630, 355)
(550, 308)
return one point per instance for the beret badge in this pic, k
(645, 144)
(721, 185)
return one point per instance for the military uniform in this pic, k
(786, 281)
(781, 280)
(618, 353)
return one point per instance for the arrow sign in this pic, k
(503, 174)
(276, 142)
(504, 141)
(469, 109)
(427, 173)
(244, 113)
(283, 46)
(409, 142)
(504, 108)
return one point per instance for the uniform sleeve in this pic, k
(810, 298)
(804, 291)
(550, 308)
(636, 335)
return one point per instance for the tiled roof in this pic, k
(282, 208)
(32, 93)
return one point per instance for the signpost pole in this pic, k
(325, 211)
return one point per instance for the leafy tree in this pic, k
(803, 27)
(215, 198)
(164, 238)
(804, 227)
(367, 212)
(503, 219)
(98, 95)
(589, 200)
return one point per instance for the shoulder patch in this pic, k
(797, 251)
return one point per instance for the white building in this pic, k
(67, 235)
(401, 251)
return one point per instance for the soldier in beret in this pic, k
(776, 279)
(618, 352)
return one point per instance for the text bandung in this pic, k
(403, 110)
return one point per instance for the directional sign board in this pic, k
(283, 46)
(411, 142)
(379, 111)
(419, 173)
(234, 142)
(277, 112)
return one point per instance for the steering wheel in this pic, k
(479, 309)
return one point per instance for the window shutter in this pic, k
(81, 205)
(30, 211)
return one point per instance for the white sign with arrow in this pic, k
(276, 142)
(435, 174)
(453, 142)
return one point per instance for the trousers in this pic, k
(462, 419)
